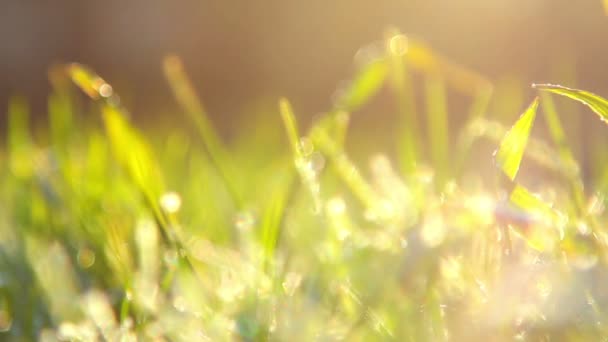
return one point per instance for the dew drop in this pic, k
(306, 146)
(105, 90)
(171, 257)
(180, 304)
(316, 162)
(398, 45)
(171, 202)
(336, 206)
(85, 257)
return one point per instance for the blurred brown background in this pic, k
(238, 52)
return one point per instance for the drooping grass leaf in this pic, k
(510, 153)
(598, 104)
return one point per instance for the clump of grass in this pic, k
(107, 236)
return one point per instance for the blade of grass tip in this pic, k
(510, 153)
(291, 126)
(437, 126)
(302, 162)
(20, 145)
(536, 149)
(366, 83)
(194, 109)
(424, 59)
(368, 80)
(403, 90)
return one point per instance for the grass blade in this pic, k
(598, 104)
(194, 109)
(510, 153)
(302, 160)
(438, 126)
(20, 143)
(291, 126)
(403, 90)
(365, 85)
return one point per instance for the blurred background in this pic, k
(241, 54)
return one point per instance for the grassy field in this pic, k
(113, 233)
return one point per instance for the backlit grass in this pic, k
(113, 233)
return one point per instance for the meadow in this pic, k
(113, 232)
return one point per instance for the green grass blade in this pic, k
(291, 126)
(20, 143)
(403, 90)
(302, 160)
(510, 153)
(272, 217)
(196, 112)
(365, 85)
(437, 126)
(129, 147)
(598, 104)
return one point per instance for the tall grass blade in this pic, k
(424, 59)
(367, 82)
(403, 90)
(437, 125)
(196, 112)
(510, 153)
(20, 143)
(291, 126)
(302, 159)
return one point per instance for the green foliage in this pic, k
(111, 233)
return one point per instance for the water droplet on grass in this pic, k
(316, 162)
(306, 147)
(85, 257)
(398, 45)
(291, 283)
(244, 221)
(105, 90)
(336, 206)
(171, 202)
